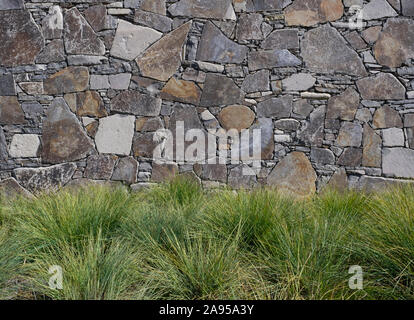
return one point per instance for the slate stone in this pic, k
(311, 12)
(100, 167)
(215, 9)
(145, 124)
(407, 8)
(126, 170)
(294, 175)
(372, 143)
(227, 27)
(115, 134)
(20, 38)
(70, 79)
(298, 82)
(266, 59)
(10, 188)
(4, 155)
(144, 145)
(53, 52)
(10, 111)
(322, 156)
(79, 37)
(236, 117)
(119, 81)
(99, 82)
(343, 106)
(155, 6)
(282, 39)
(351, 157)
(249, 27)
(45, 178)
(276, 107)
(393, 137)
(215, 47)
(63, 138)
(259, 149)
(355, 40)
(7, 86)
(324, 50)
(258, 81)
(134, 102)
(238, 179)
(213, 172)
(372, 34)
(90, 104)
(153, 20)
(11, 4)
(302, 108)
(287, 124)
(52, 24)
(181, 91)
(398, 162)
(220, 90)
(386, 117)
(350, 135)
(339, 180)
(163, 58)
(383, 86)
(377, 9)
(24, 146)
(312, 132)
(162, 172)
(96, 16)
(132, 40)
(395, 46)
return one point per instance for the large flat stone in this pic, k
(311, 12)
(163, 58)
(312, 133)
(220, 90)
(134, 102)
(386, 117)
(45, 178)
(298, 82)
(351, 157)
(294, 175)
(53, 52)
(63, 137)
(216, 47)
(383, 86)
(276, 107)
(10, 111)
(132, 40)
(255, 82)
(215, 9)
(20, 38)
(343, 106)
(181, 91)
(282, 39)
(100, 167)
(249, 27)
(377, 9)
(350, 135)
(96, 16)
(266, 59)
(372, 143)
(24, 146)
(398, 162)
(325, 50)
(70, 79)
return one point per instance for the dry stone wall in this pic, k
(86, 85)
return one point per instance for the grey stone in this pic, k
(325, 50)
(24, 146)
(215, 9)
(4, 155)
(81, 60)
(372, 143)
(145, 124)
(256, 82)
(96, 16)
(10, 188)
(162, 172)
(99, 82)
(276, 107)
(299, 82)
(153, 20)
(351, 157)
(356, 41)
(10, 111)
(398, 162)
(383, 86)
(144, 145)
(45, 178)
(20, 38)
(52, 24)
(302, 108)
(70, 79)
(7, 86)
(155, 6)
(322, 156)
(53, 52)
(11, 4)
(408, 120)
(377, 9)
(385, 117)
(287, 124)
(126, 170)
(227, 27)
(265, 59)
(339, 180)
(393, 137)
(312, 133)
(120, 81)
(267, 5)
(249, 27)
(282, 39)
(407, 8)
(378, 184)
(79, 36)
(311, 12)
(238, 179)
(363, 115)
(220, 90)
(267, 143)
(343, 106)
(100, 167)
(350, 135)
(136, 103)
(115, 134)
(213, 172)
(214, 46)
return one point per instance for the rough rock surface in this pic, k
(216, 9)
(372, 143)
(182, 91)
(383, 86)
(398, 162)
(343, 106)
(133, 102)
(10, 188)
(100, 167)
(220, 90)
(236, 117)
(126, 170)
(10, 111)
(70, 79)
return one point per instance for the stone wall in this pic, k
(86, 84)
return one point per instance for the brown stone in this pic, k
(126, 170)
(339, 180)
(239, 179)
(144, 145)
(53, 52)
(71, 79)
(372, 143)
(386, 117)
(96, 16)
(383, 86)
(313, 132)
(63, 137)
(10, 111)
(92, 128)
(100, 167)
(311, 12)
(249, 27)
(344, 106)
(181, 91)
(351, 157)
(146, 124)
(371, 34)
(20, 38)
(163, 58)
(90, 104)
(163, 172)
(134, 102)
(213, 172)
(10, 188)
(236, 117)
(294, 175)
(220, 90)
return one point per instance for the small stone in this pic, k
(99, 82)
(393, 137)
(96, 16)
(214, 9)
(153, 20)
(339, 180)
(350, 135)
(210, 67)
(312, 133)
(311, 12)
(282, 39)
(315, 95)
(163, 172)
(120, 81)
(144, 145)
(145, 124)
(299, 82)
(383, 86)
(265, 59)
(126, 170)
(294, 175)
(220, 90)
(10, 111)
(53, 52)
(372, 143)
(206, 116)
(343, 106)
(259, 149)
(239, 179)
(377, 9)
(11, 4)
(100, 167)
(10, 188)
(322, 156)
(89, 103)
(81, 60)
(163, 58)
(52, 24)
(115, 134)
(256, 82)
(131, 40)
(134, 102)
(276, 107)
(24, 146)
(249, 27)
(287, 124)
(70, 79)
(32, 88)
(355, 40)
(302, 108)
(214, 46)
(386, 117)
(7, 86)
(407, 8)
(351, 157)
(371, 34)
(213, 172)
(398, 162)
(181, 91)
(236, 117)
(20, 38)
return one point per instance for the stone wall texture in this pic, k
(86, 84)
